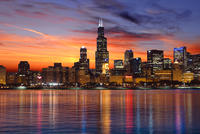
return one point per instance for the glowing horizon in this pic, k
(44, 32)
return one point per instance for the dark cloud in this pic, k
(123, 33)
(164, 19)
(120, 32)
(127, 16)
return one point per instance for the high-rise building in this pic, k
(2, 75)
(180, 56)
(102, 54)
(167, 63)
(128, 55)
(84, 62)
(23, 75)
(193, 63)
(23, 67)
(136, 67)
(58, 73)
(155, 60)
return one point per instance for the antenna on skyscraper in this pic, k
(100, 22)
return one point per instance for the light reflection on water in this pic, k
(100, 111)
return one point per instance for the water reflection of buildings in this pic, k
(105, 106)
(101, 111)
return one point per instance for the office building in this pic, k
(180, 56)
(102, 54)
(84, 61)
(128, 55)
(23, 67)
(193, 63)
(155, 60)
(136, 67)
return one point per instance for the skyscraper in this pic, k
(155, 60)
(102, 54)
(180, 56)
(23, 67)
(83, 61)
(128, 55)
(23, 75)
(136, 67)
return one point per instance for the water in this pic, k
(100, 111)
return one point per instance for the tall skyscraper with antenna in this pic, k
(102, 54)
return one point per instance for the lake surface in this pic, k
(100, 111)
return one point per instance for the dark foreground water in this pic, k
(100, 111)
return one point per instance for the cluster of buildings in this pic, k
(157, 71)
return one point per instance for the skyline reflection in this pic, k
(99, 111)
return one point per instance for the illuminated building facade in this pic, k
(102, 54)
(193, 63)
(177, 72)
(180, 56)
(162, 75)
(188, 77)
(2, 75)
(155, 60)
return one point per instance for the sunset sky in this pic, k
(47, 31)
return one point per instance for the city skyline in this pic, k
(47, 32)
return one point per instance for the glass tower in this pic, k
(102, 54)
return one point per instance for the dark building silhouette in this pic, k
(136, 67)
(24, 73)
(128, 55)
(83, 61)
(56, 74)
(23, 67)
(155, 60)
(102, 55)
(167, 63)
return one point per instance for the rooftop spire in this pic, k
(100, 22)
